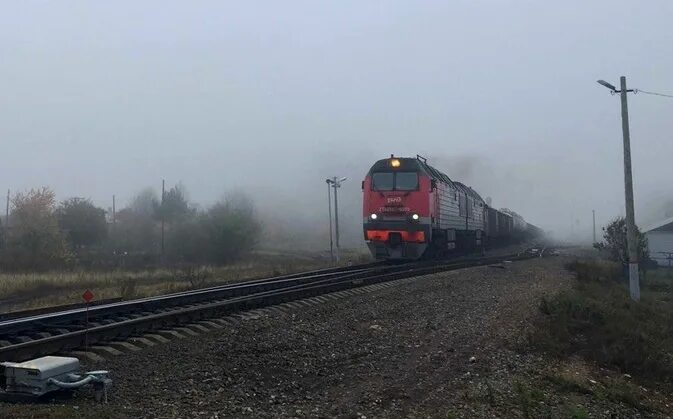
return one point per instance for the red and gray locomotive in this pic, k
(411, 209)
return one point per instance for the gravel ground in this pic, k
(404, 351)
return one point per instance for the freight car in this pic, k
(411, 210)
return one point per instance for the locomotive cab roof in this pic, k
(420, 165)
(409, 164)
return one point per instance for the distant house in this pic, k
(660, 241)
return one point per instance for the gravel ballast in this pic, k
(442, 345)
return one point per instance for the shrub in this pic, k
(614, 242)
(598, 320)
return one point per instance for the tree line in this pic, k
(42, 234)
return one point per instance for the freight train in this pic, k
(412, 210)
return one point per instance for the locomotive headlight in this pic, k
(394, 163)
(373, 216)
(415, 217)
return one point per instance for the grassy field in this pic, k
(595, 329)
(20, 291)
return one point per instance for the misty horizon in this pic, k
(271, 99)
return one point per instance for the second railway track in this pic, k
(57, 332)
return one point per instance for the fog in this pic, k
(273, 97)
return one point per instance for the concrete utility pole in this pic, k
(329, 209)
(336, 185)
(114, 224)
(593, 214)
(634, 274)
(163, 216)
(631, 238)
(7, 217)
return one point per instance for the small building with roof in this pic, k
(660, 241)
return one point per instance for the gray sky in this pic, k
(272, 97)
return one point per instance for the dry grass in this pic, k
(598, 320)
(22, 291)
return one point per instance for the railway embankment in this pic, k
(464, 343)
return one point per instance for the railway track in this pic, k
(57, 332)
(118, 303)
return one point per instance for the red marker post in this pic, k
(87, 297)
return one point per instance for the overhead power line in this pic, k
(651, 93)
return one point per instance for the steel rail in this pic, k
(11, 315)
(125, 327)
(61, 318)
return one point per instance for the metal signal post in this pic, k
(335, 183)
(329, 209)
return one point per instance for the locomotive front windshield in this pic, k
(394, 181)
(383, 181)
(406, 181)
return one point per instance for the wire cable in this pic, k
(651, 93)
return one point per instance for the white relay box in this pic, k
(33, 377)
